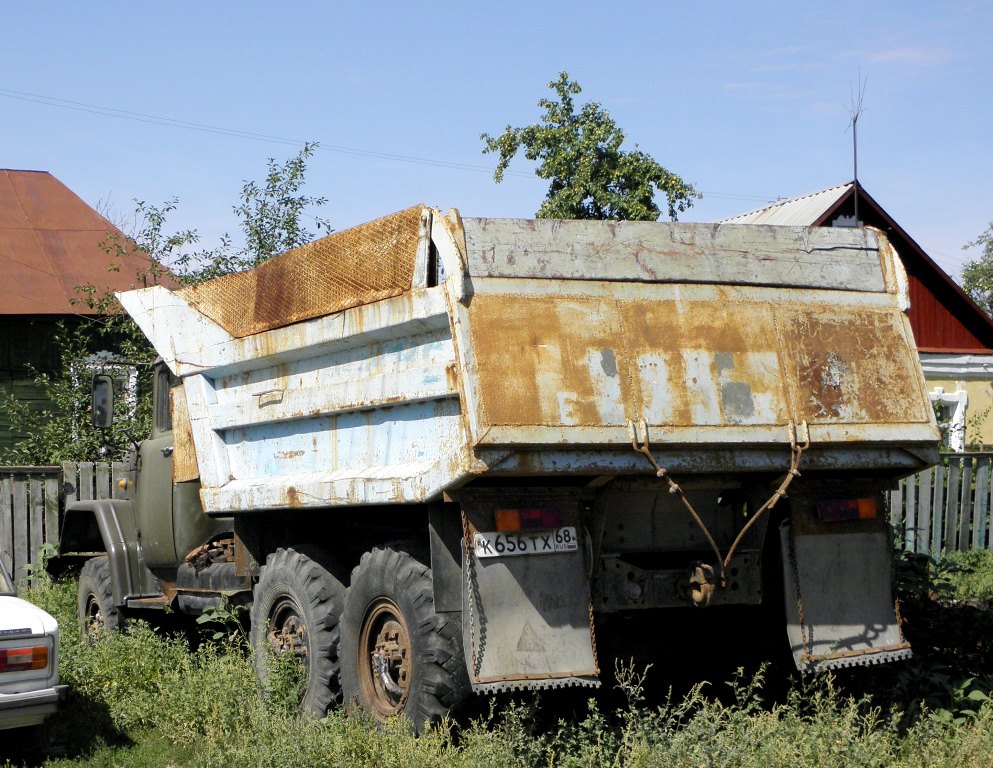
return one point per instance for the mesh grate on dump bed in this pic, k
(346, 269)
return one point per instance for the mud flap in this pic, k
(840, 610)
(527, 623)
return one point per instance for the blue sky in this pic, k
(748, 101)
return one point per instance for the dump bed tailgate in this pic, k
(718, 335)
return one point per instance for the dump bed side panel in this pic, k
(361, 407)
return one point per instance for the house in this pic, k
(954, 336)
(50, 243)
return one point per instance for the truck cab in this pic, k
(152, 530)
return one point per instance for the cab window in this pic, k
(163, 412)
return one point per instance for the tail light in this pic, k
(530, 519)
(21, 659)
(847, 509)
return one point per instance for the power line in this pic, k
(142, 117)
(124, 114)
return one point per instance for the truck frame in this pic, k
(432, 454)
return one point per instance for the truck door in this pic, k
(154, 486)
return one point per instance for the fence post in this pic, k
(53, 503)
(897, 515)
(70, 484)
(20, 548)
(910, 515)
(951, 499)
(965, 506)
(103, 489)
(922, 534)
(982, 502)
(938, 508)
(6, 520)
(36, 518)
(86, 481)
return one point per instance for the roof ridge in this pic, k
(782, 202)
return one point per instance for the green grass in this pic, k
(148, 700)
(969, 575)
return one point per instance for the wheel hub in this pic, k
(287, 632)
(385, 658)
(94, 617)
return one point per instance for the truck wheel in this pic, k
(397, 655)
(296, 607)
(95, 600)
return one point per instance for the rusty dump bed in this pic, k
(407, 357)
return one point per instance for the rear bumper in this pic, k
(30, 707)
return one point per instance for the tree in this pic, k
(270, 216)
(590, 176)
(977, 276)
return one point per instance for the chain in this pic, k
(596, 660)
(470, 573)
(899, 619)
(808, 648)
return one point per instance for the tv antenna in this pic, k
(855, 110)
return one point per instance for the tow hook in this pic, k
(703, 582)
(383, 668)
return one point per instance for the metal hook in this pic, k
(639, 435)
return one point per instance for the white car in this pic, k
(29, 659)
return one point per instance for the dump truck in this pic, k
(434, 453)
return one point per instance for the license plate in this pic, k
(493, 544)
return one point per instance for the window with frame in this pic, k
(950, 411)
(164, 381)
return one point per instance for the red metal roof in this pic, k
(51, 242)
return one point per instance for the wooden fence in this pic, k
(946, 508)
(32, 500)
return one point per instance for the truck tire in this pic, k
(95, 600)
(399, 657)
(296, 607)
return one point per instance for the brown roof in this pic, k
(51, 242)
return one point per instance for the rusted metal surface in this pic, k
(184, 456)
(539, 349)
(709, 365)
(51, 242)
(346, 269)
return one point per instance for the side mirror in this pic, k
(102, 401)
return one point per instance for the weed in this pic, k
(38, 571)
(150, 700)
(226, 622)
(969, 574)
